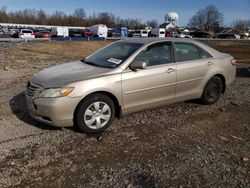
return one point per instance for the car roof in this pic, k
(156, 39)
(151, 40)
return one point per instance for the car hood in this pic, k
(61, 75)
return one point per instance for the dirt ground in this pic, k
(181, 145)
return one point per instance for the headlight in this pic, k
(56, 92)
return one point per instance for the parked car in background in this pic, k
(60, 32)
(168, 34)
(128, 76)
(157, 32)
(44, 34)
(131, 33)
(136, 33)
(244, 36)
(99, 30)
(75, 33)
(87, 33)
(119, 32)
(36, 31)
(227, 36)
(200, 34)
(26, 33)
(139, 33)
(144, 33)
(14, 33)
(180, 35)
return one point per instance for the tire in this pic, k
(95, 113)
(212, 91)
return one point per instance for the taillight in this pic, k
(233, 62)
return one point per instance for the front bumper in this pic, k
(57, 112)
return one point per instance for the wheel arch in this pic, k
(223, 81)
(118, 109)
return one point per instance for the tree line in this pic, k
(77, 18)
(209, 19)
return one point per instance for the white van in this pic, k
(139, 33)
(144, 33)
(157, 32)
(99, 30)
(59, 32)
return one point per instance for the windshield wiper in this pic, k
(94, 64)
(88, 62)
(83, 60)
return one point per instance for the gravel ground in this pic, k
(181, 145)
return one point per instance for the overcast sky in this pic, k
(141, 9)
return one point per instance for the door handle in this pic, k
(210, 63)
(170, 70)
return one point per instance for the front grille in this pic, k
(33, 89)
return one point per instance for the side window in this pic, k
(204, 54)
(156, 54)
(186, 52)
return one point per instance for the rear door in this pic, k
(155, 84)
(193, 64)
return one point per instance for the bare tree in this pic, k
(41, 17)
(107, 18)
(240, 25)
(3, 15)
(79, 17)
(207, 19)
(152, 23)
(58, 18)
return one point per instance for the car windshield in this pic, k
(113, 55)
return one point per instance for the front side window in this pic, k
(113, 55)
(156, 54)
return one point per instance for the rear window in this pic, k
(204, 54)
(162, 32)
(186, 52)
(26, 31)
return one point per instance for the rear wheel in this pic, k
(95, 114)
(212, 91)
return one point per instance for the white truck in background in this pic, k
(60, 32)
(144, 33)
(157, 32)
(99, 30)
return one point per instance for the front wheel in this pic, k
(95, 113)
(212, 91)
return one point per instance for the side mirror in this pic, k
(137, 65)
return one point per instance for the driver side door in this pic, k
(154, 85)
